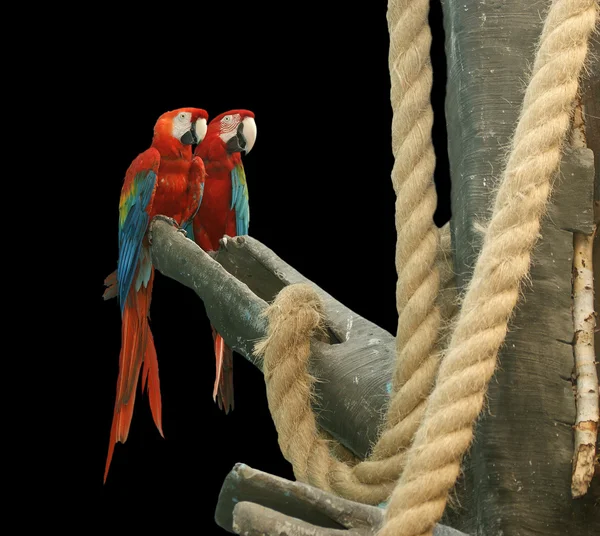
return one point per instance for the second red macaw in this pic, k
(224, 211)
(163, 180)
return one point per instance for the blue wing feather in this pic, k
(132, 231)
(189, 230)
(239, 200)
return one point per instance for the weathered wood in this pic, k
(489, 48)
(591, 108)
(585, 372)
(354, 371)
(576, 212)
(517, 474)
(250, 499)
(354, 368)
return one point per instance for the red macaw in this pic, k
(164, 180)
(224, 211)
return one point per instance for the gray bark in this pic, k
(517, 474)
(255, 503)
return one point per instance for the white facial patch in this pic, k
(201, 129)
(182, 122)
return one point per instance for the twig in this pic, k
(584, 316)
(584, 320)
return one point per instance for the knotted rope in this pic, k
(295, 316)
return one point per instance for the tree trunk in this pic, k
(517, 475)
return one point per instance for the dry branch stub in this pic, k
(584, 324)
(584, 317)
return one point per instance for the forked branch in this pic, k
(353, 366)
(255, 503)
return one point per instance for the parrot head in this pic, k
(237, 130)
(185, 125)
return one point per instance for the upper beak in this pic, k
(244, 138)
(190, 137)
(201, 128)
(249, 130)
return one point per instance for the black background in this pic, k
(316, 75)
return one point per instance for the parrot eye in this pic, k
(227, 118)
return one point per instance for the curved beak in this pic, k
(249, 133)
(244, 138)
(201, 128)
(190, 137)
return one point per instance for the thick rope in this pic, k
(417, 235)
(316, 458)
(433, 462)
(420, 262)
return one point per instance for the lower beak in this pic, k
(190, 137)
(238, 142)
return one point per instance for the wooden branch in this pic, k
(353, 367)
(232, 307)
(586, 424)
(255, 503)
(584, 323)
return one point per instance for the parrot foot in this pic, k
(170, 221)
(224, 241)
(182, 231)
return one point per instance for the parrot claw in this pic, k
(182, 231)
(168, 220)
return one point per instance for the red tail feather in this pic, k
(137, 347)
(113, 287)
(223, 388)
(153, 384)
